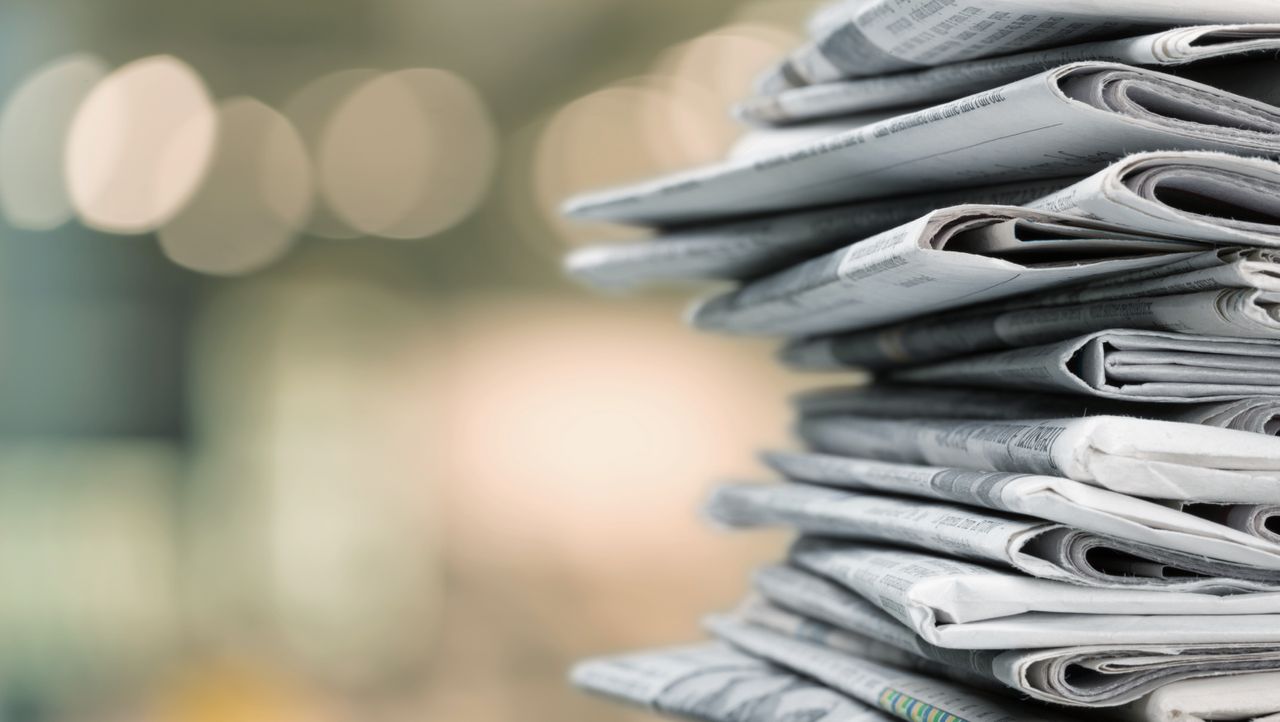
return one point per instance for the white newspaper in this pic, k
(1245, 697)
(1258, 414)
(859, 39)
(1260, 520)
(714, 683)
(1170, 48)
(1233, 312)
(750, 248)
(1200, 196)
(1069, 121)
(950, 258)
(1130, 365)
(962, 605)
(1031, 546)
(908, 695)
(1139, 457)
(1073, 504)
(822, 613)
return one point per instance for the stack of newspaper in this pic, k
(1051, 229)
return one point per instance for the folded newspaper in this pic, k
(1129, 365)
(1202, 196)
(962, 605)
(859, 38)
(715, 683)
(1170, 49)
(807, 607)
(1204, 544)
(1257, 414)
(1139, 457)
(1070, 121)
(1031, 546)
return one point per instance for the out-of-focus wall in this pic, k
(299, 419)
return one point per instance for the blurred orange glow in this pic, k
(407, 154)
(33, 141)
(254, 199)
(139, 145)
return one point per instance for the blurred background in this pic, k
(299, 420)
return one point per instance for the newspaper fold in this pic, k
(712, 682)
(1168, 49)
(950, 258)
(1139, 457)
(1198, 544)
(750, 248)
(822, 613)
(1069, 121)
(961, 605)
(859, 39)
(1031, 546)
(1124, 364)
(907, 695)
(1260, 414)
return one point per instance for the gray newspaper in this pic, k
(1073, 504)
(905, 694)
(1031, 546)
(1243, 697)
(1258, 414)
(1069, 121)
(1140, 457)
(714, 683)
(962, 605)
(750, 248)
(857, 38)
(1129, 365)
(1168, 49)
(807, 607)
(950, 258)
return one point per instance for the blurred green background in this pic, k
(300, 420)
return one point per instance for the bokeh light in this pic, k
(33, 141)
(255, 197)
(407, 154)
(139, 145)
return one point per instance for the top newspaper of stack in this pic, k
(860, 38)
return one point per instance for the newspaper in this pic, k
(961, 605)
(1244, 697)
(822, 613)
(950, 258)
(1170, 49)
(1201, 196)
(715, 683)
(859, 39)
(750, 248)
(1260, 520)
(1122, 364)
(1069, 121)
(1031, 546)
(1139, 457)
(1204, 546)
(905, 694)
(1259, 414)
(1234, 312)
